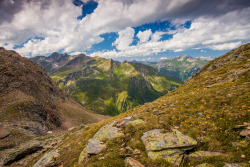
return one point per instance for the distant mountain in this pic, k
(106, 86)
(144, 62)
(207, 58)
(180, 67)
(31, 103)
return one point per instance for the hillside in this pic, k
(32, 104)
(106, 86)
(204, 121)
(180, 67)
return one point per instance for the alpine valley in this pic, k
(104, 85)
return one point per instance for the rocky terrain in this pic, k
(31, 104)
(104, 85)
(205, 122)
(180, 67)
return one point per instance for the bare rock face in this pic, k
(23, 151)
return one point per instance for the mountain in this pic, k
(205, 121)
(106, 86)
(180, 67)
(31, 103)
(144, 62)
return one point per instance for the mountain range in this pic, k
(104, 85)
(181, 67)
(31, 104)
(204, 122)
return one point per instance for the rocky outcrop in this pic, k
(47, 160)
(170, 146)
(23, 151)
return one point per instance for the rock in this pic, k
(155, 140)
(107, 131)
(243, 156)
(127, 118)
(204, 165)
(199, 154)
(231, 165)
(48, 159)
(94, 147)
(130, 162)
(169, 146)
(3, 134)
(126, 122)
(23, 151)
(84, 156)
(245, 133)
(136, 152)
(129, 149)
(240, 126)
(200, 114)
(101, 158)
(237, 144)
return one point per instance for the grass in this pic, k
(206, 114)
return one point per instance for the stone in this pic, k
(23, 151)
(170, 146)
(245, 133)
(197, 155)
(48, 159)
(94, 147)
(130, 162)
(127, 118)
(240, 126)
(204, 165)
(84, 156)
(126, 122)
(129, 149)
(136, 152)
(155, 140)
(231, 165)
(243, 156)
(3, 134)
(101, 158)
(237, 144)
(107, 131)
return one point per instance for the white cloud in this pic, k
(163, 58)
(144, 36)
(225, 46)
(125, 39)
(57, 23)
(203, 51)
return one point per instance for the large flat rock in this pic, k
(155, 140)
(94, 147)
(47, 159)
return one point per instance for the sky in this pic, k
(147, 30)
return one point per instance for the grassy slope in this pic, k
(108, 95)
(224, 105)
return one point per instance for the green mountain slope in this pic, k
(180, 67)
(211, 112)
(108, 87)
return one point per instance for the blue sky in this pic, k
(121, 29)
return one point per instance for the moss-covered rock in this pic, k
(130, 162)
(23, 151)
(47, 159)
(199, 154)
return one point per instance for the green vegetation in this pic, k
(207, 107)
(109, 88)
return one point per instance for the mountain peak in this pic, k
(184, 57)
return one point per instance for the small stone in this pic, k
(127, 118)
(101, 142)
(161, 122)
(231, 165)
(137, 152)
(49, 132)
(245, 133)
(243, 156)
(240, 126)
(101, 158)
(129, 149)
(123, 145)
(200, 114)
(130, 162)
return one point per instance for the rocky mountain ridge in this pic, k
(108, 87)
(31, 104)
(180, 67)
(205, 122)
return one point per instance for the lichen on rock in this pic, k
(47, 159)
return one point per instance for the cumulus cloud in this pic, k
(56, 22)
(163, 58)
(144, 36)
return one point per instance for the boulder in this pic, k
(197, 155)
(130, 162)
(23, 151)
(94, 147)
(155, 140)
(245, 133)
(107, 131)
(47, 160)
(169, 146)
(3, 134)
